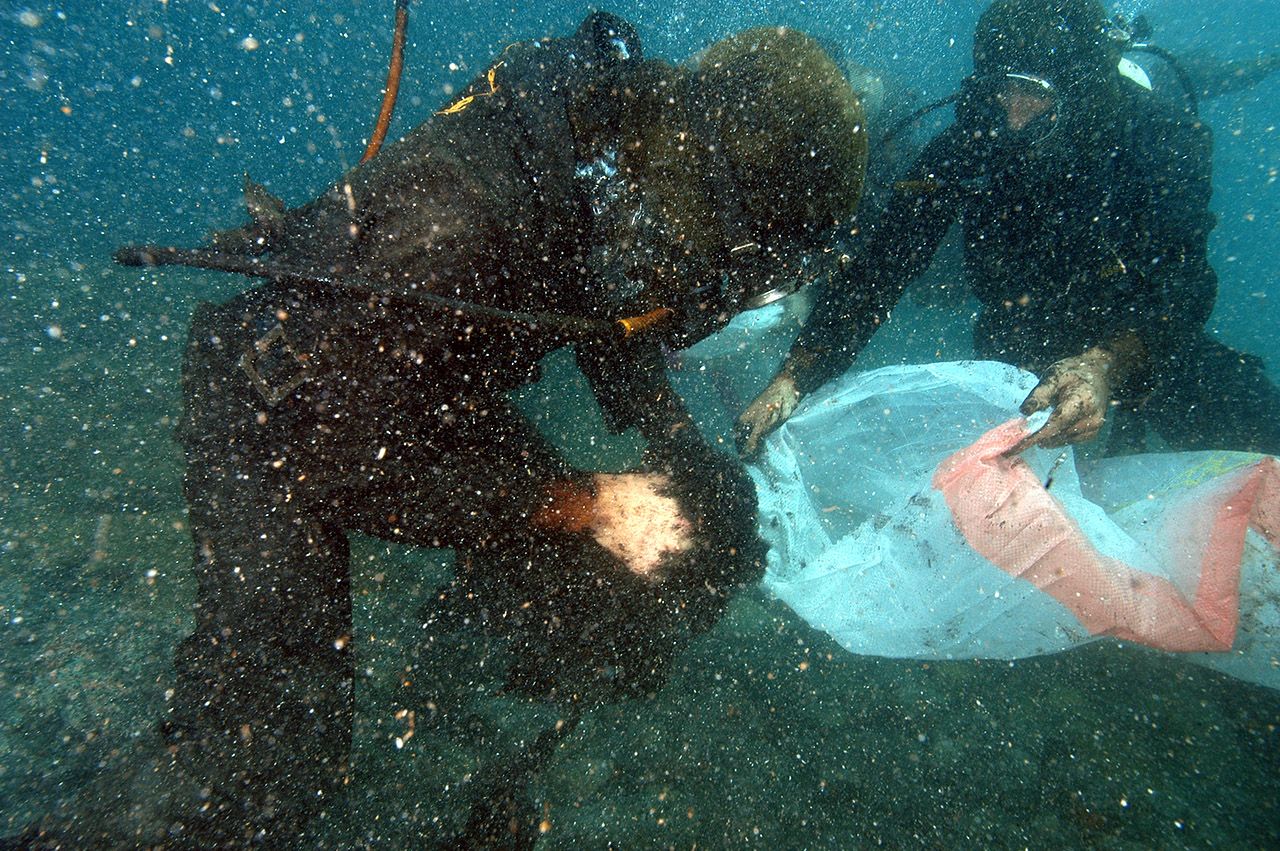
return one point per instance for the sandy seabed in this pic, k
(767, 735)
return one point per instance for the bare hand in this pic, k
(1079, 390)
(769, 410)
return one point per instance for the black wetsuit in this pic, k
(311, 413)
(1069, 245)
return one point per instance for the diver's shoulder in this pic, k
(953, 140)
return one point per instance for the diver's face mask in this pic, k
(761, 276)
(1025, 98)
(1017, 107)
(752, 277)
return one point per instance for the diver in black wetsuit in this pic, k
(1083, 203)
(573, 187)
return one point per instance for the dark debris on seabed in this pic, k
(767, 734)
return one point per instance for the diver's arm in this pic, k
(1171, 286)
(1172, 289)
(629, 380)
(851, 306)
(1079, 390)
(1214, 77)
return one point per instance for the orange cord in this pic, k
(393, 82)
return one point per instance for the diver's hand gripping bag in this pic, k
(899, 526)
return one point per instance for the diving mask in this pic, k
(1024, 97)
(764, 277)
(1019, 106)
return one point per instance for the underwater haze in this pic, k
(137, 122)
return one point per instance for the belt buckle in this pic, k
(272, 354)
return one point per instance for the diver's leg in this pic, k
(1218, 398)
(258, 725)
(262, 706)
(598, 580)
(471, 482)
(602, 579)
